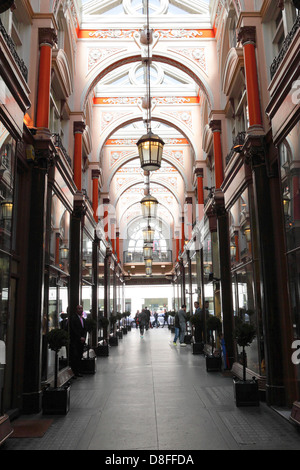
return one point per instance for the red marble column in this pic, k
(78, 129)
(47, 39)
(247, 36)
(95, 179)
(215, 126)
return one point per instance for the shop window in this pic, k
(7, 166)
(289, 154)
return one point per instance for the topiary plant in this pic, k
(244, 334)
(214, 324)
(57, 338)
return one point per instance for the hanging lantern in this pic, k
(232, 250)
(148, 263)
(7, 209)
(149, 271)
(149, 206)
(148, 234)
(247, 233)
(286, 204)
(64, 252)
(150, 147)
(147, 251)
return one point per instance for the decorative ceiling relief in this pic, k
(112, 34)
(185, 117)
(196, 54)
(96, 55)
(179, 33)
(107, 118)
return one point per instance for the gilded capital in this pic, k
(47, 36)
(247, 35)
(78, 127)
(215, 125)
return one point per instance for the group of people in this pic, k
(142, 320)
(180, 323)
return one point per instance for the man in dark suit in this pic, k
(77, 339)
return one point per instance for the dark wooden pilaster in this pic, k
(35, 276)
(255, 155)
(76, 227)
(225, 272)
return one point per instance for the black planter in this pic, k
(213, 363)
(88, 365)
(102, 350)
(198, 348)
(113, 341)
(246, 392)
(187, 339)
(56, 401)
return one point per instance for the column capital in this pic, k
(215, 125)
(199, 172)
(247, 35)
(47, 36)
(96, 174)
(78, 127)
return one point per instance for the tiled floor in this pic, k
(151, 395)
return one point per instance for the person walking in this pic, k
(77, 339)
(182, 324)
(177, 329)
(143, 317)
(155, 319)
(165, 318)
(148, 315)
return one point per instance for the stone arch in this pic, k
(169, 57)
(129, 158)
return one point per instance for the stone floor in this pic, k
(151, 395)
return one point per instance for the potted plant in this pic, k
(56, 400)
(196, 321)
(188, 335)
(124, 323)
(88, 363)
(113, 339)
(214, 360)
(127, 315)
(119, 330)
(245, 391)
(102, 348)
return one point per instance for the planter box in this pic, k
(246, 392)
(213, 363)
(198, 348)
(88, 365)
(188, 339)
(56, 401)
(102, 350)
(113, 341)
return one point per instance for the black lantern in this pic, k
(296, 4)
(7, 209)
(149, 206)
(64, 252)
(5, 5)
(147, 251)
(149, 271)
(150, 147)
(148, 234)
